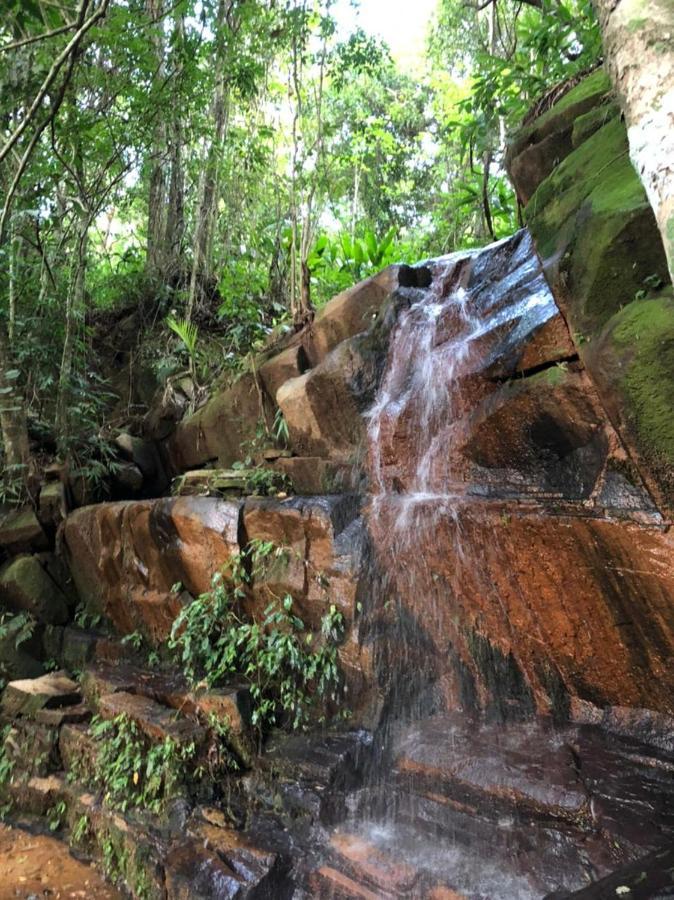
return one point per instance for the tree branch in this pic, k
(479, 5)
(71, 46)
(38, 37)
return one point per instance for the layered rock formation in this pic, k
(484, 452)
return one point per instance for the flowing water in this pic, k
(438, 799)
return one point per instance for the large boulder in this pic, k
(127, 557)
(235, 415)
(594, 229)
(325, 564)
(219, 431)
(349, 313)
(323, 408)
(516, 610)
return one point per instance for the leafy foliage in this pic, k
(131, 771)
(290, 669)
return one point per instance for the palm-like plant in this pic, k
(188, 333)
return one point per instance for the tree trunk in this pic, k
(638, 37)
(18, 459)
(210, 174)
(74, 305)
(12, 275)
(156, 203)
(175, 211)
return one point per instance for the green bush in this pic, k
(290, 670)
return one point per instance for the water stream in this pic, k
(470, 790)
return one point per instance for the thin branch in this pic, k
(23, 164)
(38, 37)
(55, 69)
(479, 5)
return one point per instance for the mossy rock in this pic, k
(24, 585)
(635, 355)
(538, 148)
(592, 219)
(596, 233)
(586, 95)
(586, 125)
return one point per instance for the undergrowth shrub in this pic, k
(131, 771)
(292, 671)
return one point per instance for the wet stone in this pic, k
(257, 867)
(195, 873)
(648, 878)
(157, 722)
(51, 691)
(496, 767)
(329, 882)
(369, 865)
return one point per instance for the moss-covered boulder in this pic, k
(596, 234)
(26, 586)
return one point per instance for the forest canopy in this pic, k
(223, 167)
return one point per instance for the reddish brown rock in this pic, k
(154, 720)
(329, 882)
(218, 430)
(320, 566)
(193, 870)
(323, 409)
(126, 557)
(368, 865)
(289, 363)
(348, 314)
(536, 607)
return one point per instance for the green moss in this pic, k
(595, 85)
(593, 214)
(559, 196)
(645, 331)
(555, 376)
(588, 93)
(585, 126)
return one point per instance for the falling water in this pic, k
(433, 381)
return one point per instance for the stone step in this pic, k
(157, 722)
(257, 867)
(494, 770)
(306, 777)
(329, 882)
(30, 695)
(578, 776)
(478, 859)
(229, 705)
(366, 864)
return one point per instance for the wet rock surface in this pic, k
(490, 517)
(125, 558)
